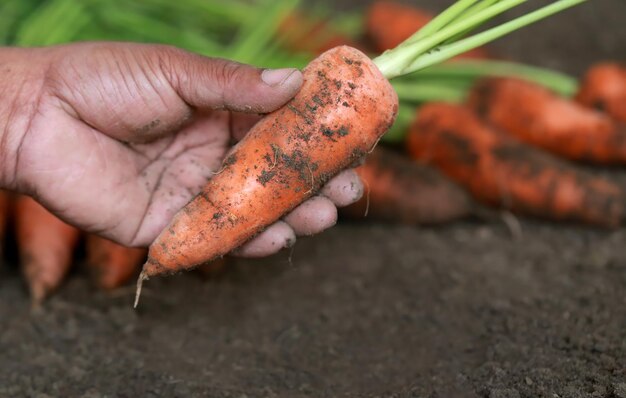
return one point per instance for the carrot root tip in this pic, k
(38, 292)
(142, 277)
(512, 224)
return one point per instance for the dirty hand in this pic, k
(116, 138)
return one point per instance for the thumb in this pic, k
(215, 83)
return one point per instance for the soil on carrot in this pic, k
(363, 310)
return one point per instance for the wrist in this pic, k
(20, 90)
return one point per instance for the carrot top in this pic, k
(444, 36)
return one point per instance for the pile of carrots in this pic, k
(46, 247)
(509, 144)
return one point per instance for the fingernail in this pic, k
(276, 77)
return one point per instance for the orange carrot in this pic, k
(503, 172)
(302, 33)
(5, 201)
(45, 246)
(604, 88)
(343, 108)
(400, 190)
(540, 118)
(389, 23)
(112, 265)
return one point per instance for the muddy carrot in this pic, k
(5, 202)
(503, 172)
(399, 190)
(344, 107)
(604, 88)
(540, 118)
(111, 264)
(389, 23)
(45, 245)
(284, 159)
(312, 35)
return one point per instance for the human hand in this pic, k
(116, 138)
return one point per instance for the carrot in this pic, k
(389, 23)
(112, 265)
(399, 190)
(504, 172)
(312, 35)
(540, 118)
(5, 202)
(285, 158)
(604, 88)
(45, 246)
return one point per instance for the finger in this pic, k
(312, 216)
(221, 84)
(139, 93)
(276, 237)
(344, 189)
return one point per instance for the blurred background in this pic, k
(461, 291)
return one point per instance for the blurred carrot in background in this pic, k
(399, 190)
(111, 264)
(604, 88)
(45, 245)
(503, 172)
(302, 33)
(389, 23)
(538, 117)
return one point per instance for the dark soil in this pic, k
(361, 311)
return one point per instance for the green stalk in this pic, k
(232, 12)
(479, 7)
(468, 71)
(349, 23)
(281, 59)
(254, 37)
(424, 91)
(29, 31)
(474, 10)
(11, 12)
(73, 21)
(216, 14)
(395, 62)
(142, 27)
(54, 22)
(413, 55)
(448, 51)
(442, 19)
(397, 132)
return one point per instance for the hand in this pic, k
(116, 138)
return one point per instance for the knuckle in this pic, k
(226, 72)
(168, 60)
